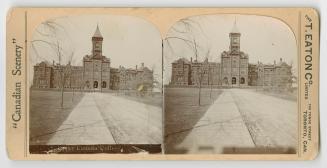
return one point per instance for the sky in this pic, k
(264, 39)
(128, 41)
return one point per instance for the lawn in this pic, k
(154, 99)
(182, 111)
(282, 94)
(46, 114)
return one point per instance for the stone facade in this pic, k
(204, 72)
(277, 76)
(42, 75)
(71, 75)
(181, 72)
(190, 73)
(96, 66)
(252, 75)
(131, 79)
(234, 62)
(95, 74)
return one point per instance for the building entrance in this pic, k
(233, 81)
(95, 84)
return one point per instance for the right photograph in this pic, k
(230, 86)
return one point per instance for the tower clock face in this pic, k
(235, 40)
(97, 45)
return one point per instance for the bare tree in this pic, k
(210, 74)
(156, 79)
(188, 35)
(50, 37)
(200, 75)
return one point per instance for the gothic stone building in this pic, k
(131, 79)
(95, 74)
(234, 62)
(275, 76)
(233, 71)
(190, 73)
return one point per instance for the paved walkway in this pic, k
(84, 125)
(243, 119)
(272, 121)
(101, 118)
(220, 127)
(129, 121)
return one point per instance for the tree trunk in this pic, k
(62, 97)
(199, 100)
(62, 89)
(73, 95)
(210, 82)
(210, 91)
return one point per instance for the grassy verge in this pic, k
(182, 112)
(47, 115)
(154, 99)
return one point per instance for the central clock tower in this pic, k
(96, 72)
(234, 63)
(97, 40)
(234, 36)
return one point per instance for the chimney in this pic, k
(136, 67)
(142, 64)
(191, 60)
(274, 62)
(281, 59)
(53, 62)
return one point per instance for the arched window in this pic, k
(87, 84)
(226, 80)
(242, 80)
(104, 84)
(233, 80)
(95, 84)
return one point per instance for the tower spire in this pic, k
(234, 36)
(97, 43)
(97, 32)
(235, 29)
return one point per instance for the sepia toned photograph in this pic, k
(95, 86)
(162, 83)
(230, 86)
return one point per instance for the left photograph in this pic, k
(95, 86)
